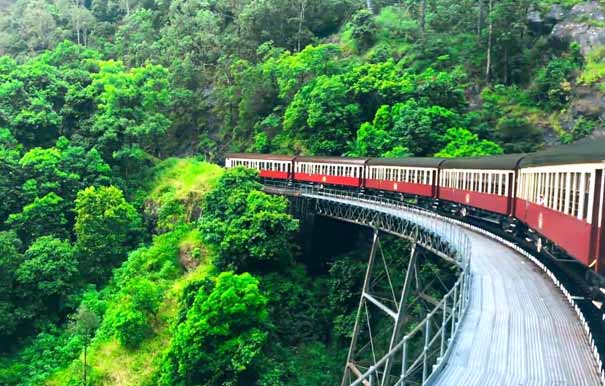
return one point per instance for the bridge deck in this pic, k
(519, 329)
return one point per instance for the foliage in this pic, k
(410, 127)
(48, 276)
(582, 128)
(249, 229)
(131, 114)
(178, 187)
(363, 29)
(594, 72)
(44, 216)
(552, 87)
(321, 115)
(106, 227)
(136, 305)
(10, 259)
(95, 95)
(292, 304)
(223, 333)
(29, 368)
(346, 278)
(463, 143)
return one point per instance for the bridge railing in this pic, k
(420, 353)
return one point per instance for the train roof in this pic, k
(588, 150)
(268, 157)
(492, 162)
(334, 160)
(418, 162)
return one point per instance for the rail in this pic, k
(405, 363)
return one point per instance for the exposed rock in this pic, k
(587, 102)
(543, 22)
(590, 10)
(556, 14)
(584, 24)
(535, 17)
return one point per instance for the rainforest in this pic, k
(129, 256)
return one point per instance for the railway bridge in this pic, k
(507, 320)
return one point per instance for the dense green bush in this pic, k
(106, 227)
(552, 84)
(48, 276)
(222, 335)
(249, 229)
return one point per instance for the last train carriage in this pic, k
(552, 198)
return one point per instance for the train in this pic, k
(551, 199)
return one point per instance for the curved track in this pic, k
(519, 329)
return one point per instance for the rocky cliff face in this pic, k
(583, 24)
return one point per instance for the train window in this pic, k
(387, 174)
(586, 195)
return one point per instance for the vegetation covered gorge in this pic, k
(143, 264)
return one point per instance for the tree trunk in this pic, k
(370, 6)
(488, 67)
(85, 365)
(423, 16)
(480, 18)
(506, 65)
(301, 20)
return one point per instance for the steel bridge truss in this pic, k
(382, 351)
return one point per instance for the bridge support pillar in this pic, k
(368, 344)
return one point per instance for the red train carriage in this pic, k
(486, 183)
(560, 195)
(330, 170)
(416, 176)
(268, 165)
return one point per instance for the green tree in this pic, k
(44, 216)
(403, 129)
(249, 229)
(363, 29)
(134, 311)
(517, 135)
(10, 175)
(321, 115)
(49, 275)
(421, 129)
(552, 84)
(84, 324)
(223, 333)
(135, 38)
(107, 226)
(463, 143)
(31, 97)
(131, 112)
(10, 259)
